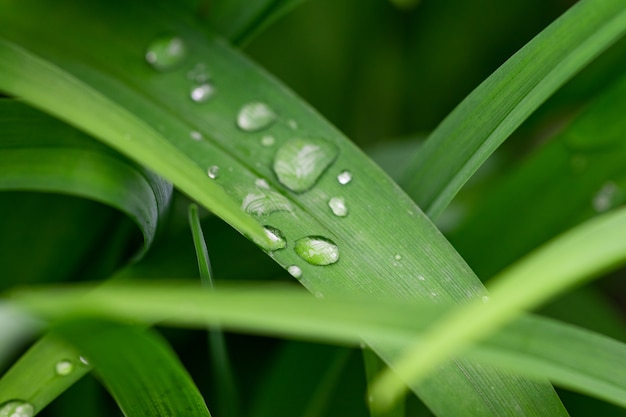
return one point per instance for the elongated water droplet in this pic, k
(604, 199)
(83, 360)
(338, 206)
(344, 177)
(294, 271)
(213, 172)
(264, 202)
(299, 163)
(268, 140)
(16, 408)
(277, 240)
(317, 250)
(202, 93)
(255, 116)
(166, 53)
(195, 135)
(64, 367)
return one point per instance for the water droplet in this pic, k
(195, 135)
(261, 183)
(198, 74)
(166, 52)
(294, 271)
(299, 163)
(268, 140)
(213, 172)
(263, 202)
(485, 298)
(64, 367)
(202, 93)
(338, 206)
(255, 116)
(319, 294)
(83, 360)
(604, 199)
(421, 278)
(397, 257)
(344, 177)
(16, 408)
(317, 250)
(277, 240)
(292, 124)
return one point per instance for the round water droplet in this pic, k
(294, 271)
(64, 367)
(397, 257)
(255, 116)
(317, 250)
(605, 198)
(202, 93)
(166, 53)
(263, 202)
(213, 172)
(268, 140)
(344, 177)
(299, 163)
(261, 183)
(195, 135)
(338, 206)
(16, 408)
(277, 240)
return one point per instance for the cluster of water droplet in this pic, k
(16, 408)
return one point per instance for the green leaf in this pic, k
(139, 369)
(466, 138)
(40, 153)
(403, 257)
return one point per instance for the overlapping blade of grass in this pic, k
(40, 153)
(15, 329)
(530, 346)
(466, 138)
(579, 254)
(139, 369)
(386, 245)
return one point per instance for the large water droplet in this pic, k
(344, 177)
(255, 116)
(202, 93)
(213, 172)
(605, 198)
(263, 202)
(317, 250)
(299, 163)
(294, 271)
(338, 206)
(166, 52)
(276, 238)
(16, 408)
(64, 367)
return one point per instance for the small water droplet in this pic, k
(344, 177)
(319, 294)
(268, 140)
(294, 271)
(195, 135)
(421, 278)
(166, 52)
(485, 298)
(317, 250)
(83, 360)
(397, 257)
(292, 124)
(16, 408)
(604, 198)
(64, 367)
(261, 183)
(202, 93)
(277, 240)
(198, 74)
(213, 172)
(299, 163)
(338, 206)
(263, 202)
(255, 116)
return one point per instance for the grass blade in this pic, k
(466, 138)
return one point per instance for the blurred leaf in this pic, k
(15, 328)
(468, 136)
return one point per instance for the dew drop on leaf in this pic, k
(605, 197)
(202, 93)
(64, 367)
(344, 177)
(317, 250)
(299, 163)
(255, 116)
(397, 257)
(198, 74)
(166, 53)
(338, 206)
(263, 202)
(294, 271)
(268, 140)
(195, 135)
(276, 238)
(16, 408)
(83, 360)
(213, 172)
